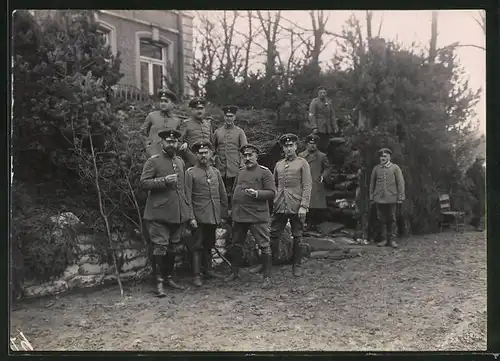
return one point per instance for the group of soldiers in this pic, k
(201, 178)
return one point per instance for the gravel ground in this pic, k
(430, 294)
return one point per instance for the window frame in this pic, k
(167, 49)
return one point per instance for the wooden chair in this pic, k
(457, 217)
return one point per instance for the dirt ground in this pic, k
(430, 294)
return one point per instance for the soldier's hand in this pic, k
(183, 146)
(302, 213)
(251, 192)
(321, 179)
(193, 223)
(171, 179)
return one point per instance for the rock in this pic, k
(93, 269)
(129, 254)
(135, 264)
(330, 227)
(319, 254)
(126, 276)
(65, 219)
(85, 239)
(85, 280)
(91, 259)
(46, 289)
(321, 244)
(86, 249)
(70, 271)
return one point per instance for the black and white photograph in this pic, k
(248, 180)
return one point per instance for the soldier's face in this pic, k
(169, 145)
(229, 118)
(250, 159)
(322, 93)
(203, 156)
(384, 158)
(199, 111)
(289, 149)
(311, 147)
(166, 104)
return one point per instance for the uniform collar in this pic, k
(386, 165)
(228, 126)
(293, 157)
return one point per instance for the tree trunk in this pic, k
(434, 34)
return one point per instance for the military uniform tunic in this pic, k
(166, 206)
(194, 130)
(206, 195)
(322, 116)
(294, 185)
(318, 162)
(165, 203)
(156, 121)
(248, 209)
(227, 143)
(387, 184)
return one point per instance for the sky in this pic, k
(407, 27)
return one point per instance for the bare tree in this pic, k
(434, 35)
(270, 28)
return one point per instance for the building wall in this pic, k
(144, 21)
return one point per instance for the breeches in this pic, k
(278, 223)
(165, 237)
(259, 231)
(204, 237)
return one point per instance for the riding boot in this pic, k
(196, 269)
(158, 276)
(208, 266)
(274, 250)
(267, 263)
(391, 236)
(297, 257)
(169, 264)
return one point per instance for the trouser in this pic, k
(278, 224)
(478, 211)
(165, 240)
(204, 242)
(259, 231)
(386, 216)
(229, 184)
(323, 142)
(315, 216)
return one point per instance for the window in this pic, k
(106, 35)
(153, 60)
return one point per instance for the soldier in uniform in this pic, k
(320, 168)
(207, 201)
(387, 188)
(166, 206)
(322, 120)
(476, 177)
(228, 140)
(158, 120)
(293, 178)
(254, 188)
(197, 128)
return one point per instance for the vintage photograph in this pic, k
(248, 180)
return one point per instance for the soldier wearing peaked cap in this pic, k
(322, 119)
(293, 177)
(228, 139)
(254, 188)
(197, 128)
(207, 201)
(160, 119)
(320, 168)
(387, 188)
(166, 206)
